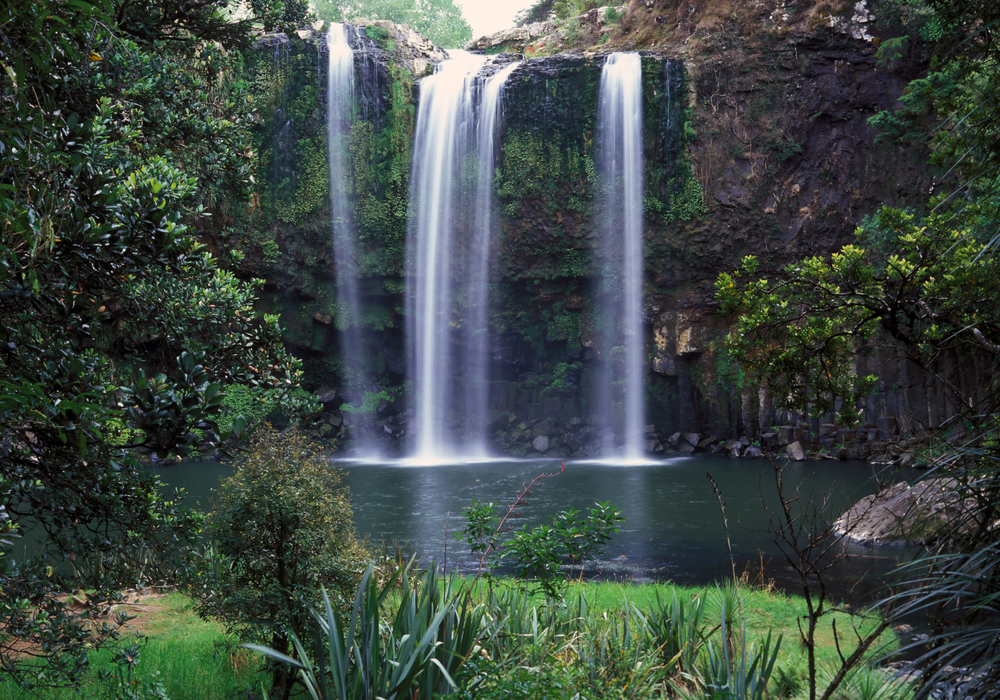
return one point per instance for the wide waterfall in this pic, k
(620, 396)
(451, 228)
(339, 95)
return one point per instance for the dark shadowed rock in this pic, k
(903, 513)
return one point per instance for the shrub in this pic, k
(283, 527)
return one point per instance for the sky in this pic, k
(491, 16)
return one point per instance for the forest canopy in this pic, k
(441, 21)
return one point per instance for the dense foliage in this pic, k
(283, 528)
(441, 21)
(935, 292)
(118, 122)
(544, 10)
(415, 652)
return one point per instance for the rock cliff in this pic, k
(756, 141)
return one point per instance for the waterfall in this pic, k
(439, 252)
(620, 396)
(339, 94)
(476, 327)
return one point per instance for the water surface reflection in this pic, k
(673, 529)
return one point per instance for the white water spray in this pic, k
(477, 346)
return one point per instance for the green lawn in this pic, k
(191, 658)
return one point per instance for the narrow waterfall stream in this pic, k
(620, 397)
(339, 96)
(445, 135)
(477, 316)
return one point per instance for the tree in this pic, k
(928, 290)
(284, 523)
(117, 328)
(541, 11)
(441, 21)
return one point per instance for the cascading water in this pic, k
(339, 94)
(477, 346)
(451, 229)
(620, 404)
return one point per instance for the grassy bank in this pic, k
(598, 653)
(179, 657)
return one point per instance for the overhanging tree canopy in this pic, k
(119, 121)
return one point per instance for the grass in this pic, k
(190, 658)
(764, 610)
(193, 658)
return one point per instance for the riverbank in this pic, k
(181, 657)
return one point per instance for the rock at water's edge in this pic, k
(905, 514)
(794, 451)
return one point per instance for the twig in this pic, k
(725, 524)
(520, 498)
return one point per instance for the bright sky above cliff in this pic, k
(490, 16)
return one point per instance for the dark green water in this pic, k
(674, 529)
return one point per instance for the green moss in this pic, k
(250, 402)
(381, 180)
(686, 203)
(371, 399)
(563, 324)
(313, 187)
(271, 251)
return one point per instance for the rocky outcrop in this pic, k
(513, 38)
(907, 514)
(539, 38)
(408, 47)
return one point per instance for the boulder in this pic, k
(786, 435)
(915, 514)
(541, 444)
(513, 36)
(794, 451)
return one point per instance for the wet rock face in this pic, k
(770, 139)
(794, 167)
